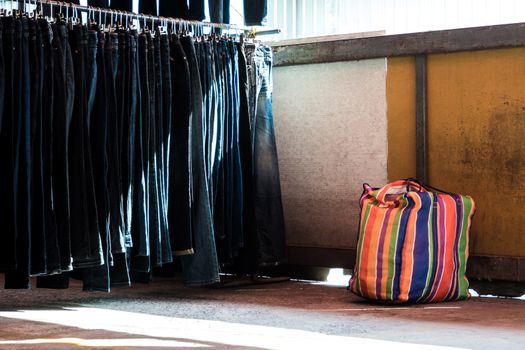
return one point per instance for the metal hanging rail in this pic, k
(125, 14)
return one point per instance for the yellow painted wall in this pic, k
(476, 137)
(401, 110)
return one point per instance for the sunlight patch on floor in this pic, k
(125, 342)
(205, 331)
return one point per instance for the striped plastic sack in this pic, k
(413, 244)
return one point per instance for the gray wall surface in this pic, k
(331, 129)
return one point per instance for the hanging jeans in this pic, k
(148, 7)
(86, 243)
(140, 259)
(63, 112)
(165, 139)
(179, 195)
(157, 227)
(219, 11)
(19, 278)
(63, 98)
(99, 3)
(247, 262)
(38, 238)
(114, 181)
(202, 267)
(162, 254)
(268, 202)
(97, 278)
(124, 5)
(10, 58)
(255, 12)
(180, 9)
(53, 261)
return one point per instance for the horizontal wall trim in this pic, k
(321, 257)
(497, 268)
(443, 41)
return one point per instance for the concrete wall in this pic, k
(331, 128)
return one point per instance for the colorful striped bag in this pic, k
(413, 244)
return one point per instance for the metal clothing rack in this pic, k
(120, 16)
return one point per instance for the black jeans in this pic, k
(99, 3)
(121, 59)
(38, 238)
(171, 8)
(163, 249)
(180, 9)
(179, 195)
(19, 278)
(86, 244)
(128, 98)
(148, 7)
(219, 11)
(140, 259)
(153, 155)
(47, 114)
(11, 56)
(97, 278)
(2, 77)
(124, 5)
(255, 12)
(114, 181)
(64, 96)
(166, 119)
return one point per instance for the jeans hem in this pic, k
(183, 252)
(202, 283)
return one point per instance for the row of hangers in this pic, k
(110, 20)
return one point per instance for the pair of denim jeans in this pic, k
(8, 57)
(193, 10)
(179, 186)
(269, 220)
(201, 267)
(255, 12)
(228, 180)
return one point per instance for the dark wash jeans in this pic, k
(38, 238)
(179, 195)
(124, 5)
(63, 96)
(114, 181)
(52, 249)
(201, 267)
(140, 259)
(7, 150)
(219, 11)
(86, 243)
(165, 136)
(97, 278)
(180, 9)
(255, 12)
(19, 278)
(247, 261)
(99, 3)
(148, 7)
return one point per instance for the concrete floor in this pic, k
(290, 315)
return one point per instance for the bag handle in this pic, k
(405, 184)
